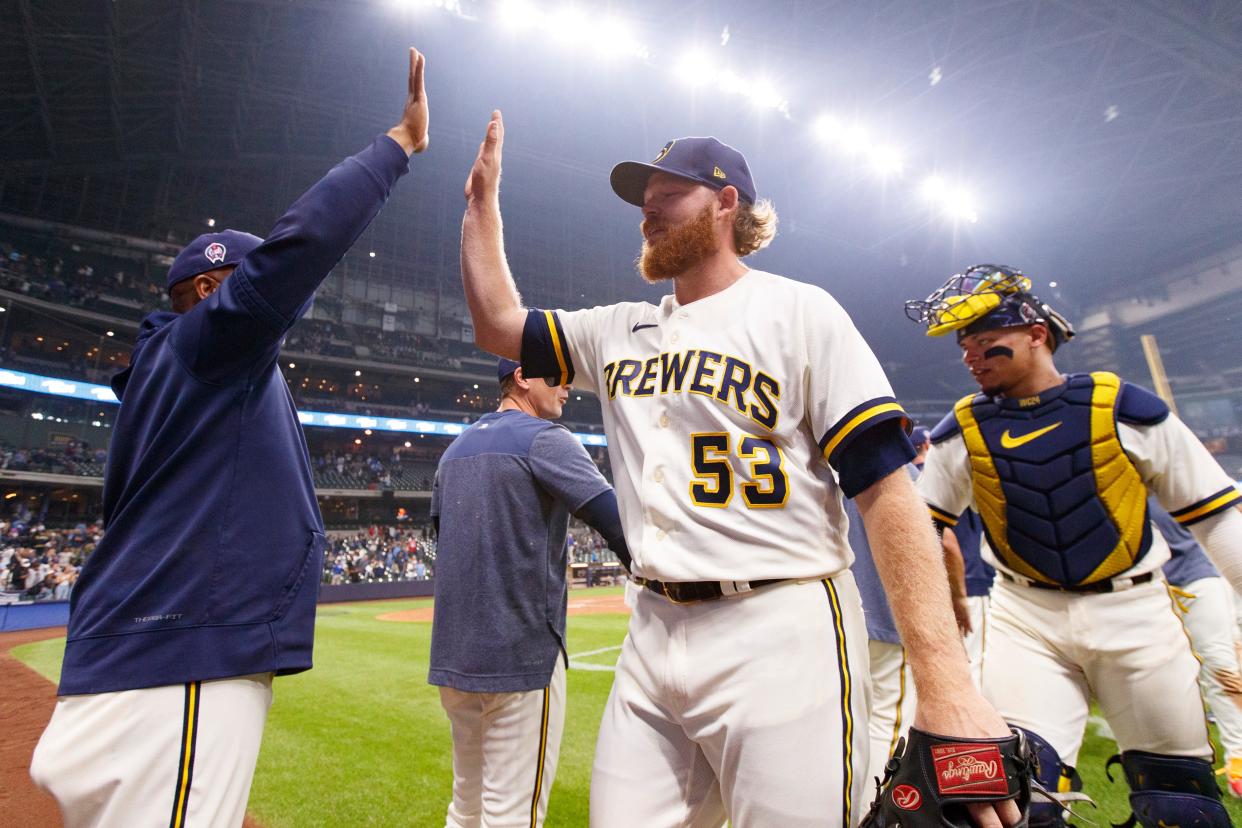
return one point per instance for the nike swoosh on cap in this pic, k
(1009, 442)
(638, 326)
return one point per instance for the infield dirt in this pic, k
(589, 605)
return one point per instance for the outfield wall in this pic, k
(334, 593)
(30, 616)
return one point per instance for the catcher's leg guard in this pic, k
(1055, 777)
(1171, 790)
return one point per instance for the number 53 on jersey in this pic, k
(761, 465)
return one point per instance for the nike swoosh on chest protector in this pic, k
(1009, 442)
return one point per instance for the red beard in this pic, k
(680, 248)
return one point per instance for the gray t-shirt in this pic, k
(503, 494)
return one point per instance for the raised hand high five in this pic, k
(484, 180)
(411, 133)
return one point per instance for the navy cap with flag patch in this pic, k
(210, 251)
(703, 160)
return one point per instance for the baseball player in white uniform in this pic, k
(1059, 468)
(1205, 602)
(738, 411)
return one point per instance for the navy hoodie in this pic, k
(210, 564)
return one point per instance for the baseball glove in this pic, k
(931, 779)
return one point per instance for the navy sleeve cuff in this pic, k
(872, 455)
(602, 515)
(544, 351)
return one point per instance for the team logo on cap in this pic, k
(664, 151)
(1028, 313)
(718, 173)
(215, 252)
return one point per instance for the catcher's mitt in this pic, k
(930, 779)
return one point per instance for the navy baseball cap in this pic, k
(703, 160)
(209, 251)
(505, 367)
(920, 435)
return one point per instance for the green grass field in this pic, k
(361, 739)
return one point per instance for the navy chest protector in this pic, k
(1061, 502)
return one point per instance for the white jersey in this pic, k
(1170, 460)
(724, 417)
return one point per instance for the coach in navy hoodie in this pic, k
(209, 568)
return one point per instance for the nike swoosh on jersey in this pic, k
(1010, 442)
(638, 326)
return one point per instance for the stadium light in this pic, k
(826, 128)
(109, 333)
(569, 25)
(518, 15)
(614, 38)
(372, 254)
(886, 160)
(695, 69)
(934, 188)
(211, 222)
(961, 205)
(357, 373)
(1052, 284)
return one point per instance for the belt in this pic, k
(1114, 585)
(689, 592)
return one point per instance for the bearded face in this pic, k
(675, 249)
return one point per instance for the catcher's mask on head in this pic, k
(986, 297)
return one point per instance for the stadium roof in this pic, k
(1096, 142)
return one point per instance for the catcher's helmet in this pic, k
(983, 298)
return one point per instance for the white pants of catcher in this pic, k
(505, 750)
(181, 755)
(751, 708)
(1049, 653)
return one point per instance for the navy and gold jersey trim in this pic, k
(185, 769)
(1208, 506)
(857, 420)
(941, 516)
(545, 353)
(847, 703)
(539, 762)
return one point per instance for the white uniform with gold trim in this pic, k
(1049, 652)
(720, 415)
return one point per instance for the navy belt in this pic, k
(1113, 585)
(689, 592)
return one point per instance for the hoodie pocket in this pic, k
(311, 560)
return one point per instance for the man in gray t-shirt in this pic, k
(503, 494)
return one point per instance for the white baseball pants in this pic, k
(1049, 653)
(505, 750)
(1209, 619)
(181, 755)
(750, 708)
(892, 708)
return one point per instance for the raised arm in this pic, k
(256, 305)
(491, 294)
